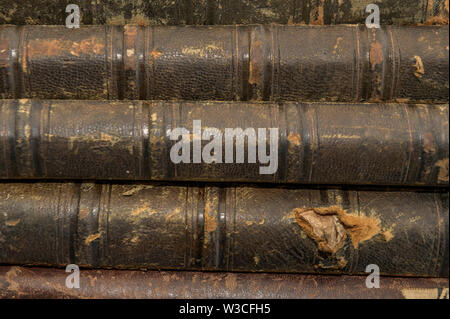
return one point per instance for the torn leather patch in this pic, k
(330, 226)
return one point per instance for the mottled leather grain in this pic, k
(49, 283)
(174, 12)
(241, 228)
(319, 143)
(347, 63)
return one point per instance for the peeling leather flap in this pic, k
(330, 226)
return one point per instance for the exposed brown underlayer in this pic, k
(330, 226)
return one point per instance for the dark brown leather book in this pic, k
(24, 282)
(223, 11)
(276, 63)
(240, 228)
(319, 143)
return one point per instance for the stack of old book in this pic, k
(243, 160)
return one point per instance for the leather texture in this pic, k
(347, 63)
(240, 228)
(177, 12)
(318, 143)
(49, 283)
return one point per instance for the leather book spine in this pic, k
(241, 228)
(168, 12)
(315, 143)
(342, 63)
(50, 283)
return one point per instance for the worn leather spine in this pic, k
(260, 62)
(318, 143)
(176, 12)
(240, 228)
(49, 283)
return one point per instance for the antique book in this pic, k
(315, 143)
(34, 282)
(225, 228)
(347, 63)
(173, 12)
